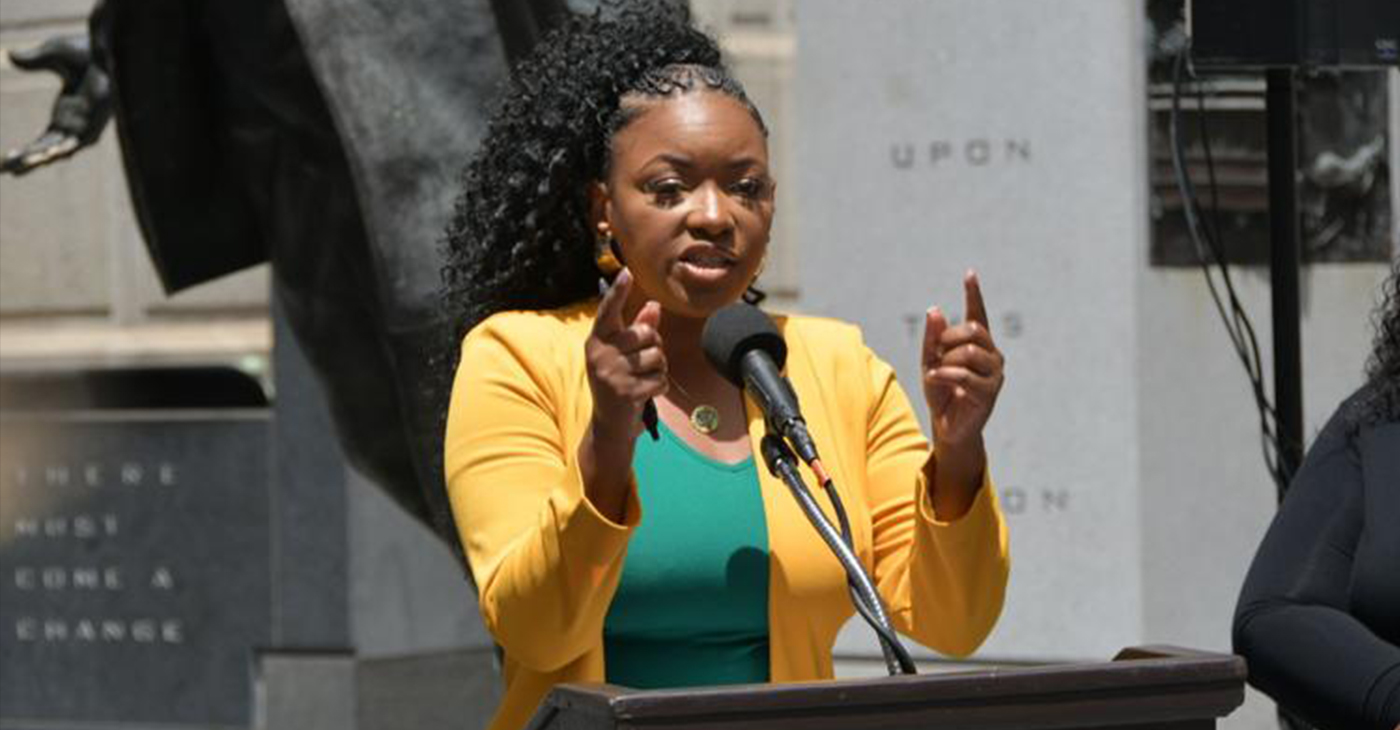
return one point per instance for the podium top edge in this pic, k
(1140, 670)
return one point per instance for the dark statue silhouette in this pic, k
(324, 137)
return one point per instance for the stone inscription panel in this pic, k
(1005, 136)
(134, 567)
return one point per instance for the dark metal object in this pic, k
(81, 110)
(1158, 688)
(1258, 34)
(327, 138)
(1289, 33)
(1285, 261)
(523, 23)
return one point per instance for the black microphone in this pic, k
(743, 344)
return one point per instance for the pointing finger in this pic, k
(609, 317)
(976, 308)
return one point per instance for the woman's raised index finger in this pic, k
(610, 309)
(976, 309)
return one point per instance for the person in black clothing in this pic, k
(1318, 619)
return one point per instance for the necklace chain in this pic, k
(682, 389)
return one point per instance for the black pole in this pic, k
(1285, 259)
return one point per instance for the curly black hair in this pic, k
(519, 237)
(1379, 401)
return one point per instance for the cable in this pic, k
(888, 642)
(782, 463)
(857, 599)
(1253, 363)
(1237, 322)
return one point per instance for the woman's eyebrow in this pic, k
(670, 158)
(746, 162)
(685, 163)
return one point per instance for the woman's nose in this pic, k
(710, 212)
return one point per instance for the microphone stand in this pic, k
(782, 463)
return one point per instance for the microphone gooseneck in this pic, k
(864, 596)
(744, 345)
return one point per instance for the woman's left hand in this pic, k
(962, 373)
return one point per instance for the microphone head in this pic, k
(733, 332)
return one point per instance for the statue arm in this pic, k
(84, 103)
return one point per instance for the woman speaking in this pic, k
(624, 151)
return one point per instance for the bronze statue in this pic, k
(324, 137)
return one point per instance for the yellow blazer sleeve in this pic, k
(545, 561)
(944, 582)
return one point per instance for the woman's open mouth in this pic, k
(705, 265)
(707, 259)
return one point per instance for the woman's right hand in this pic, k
(626, 368)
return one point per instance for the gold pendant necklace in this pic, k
(704, 418)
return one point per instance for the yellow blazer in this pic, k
(547, 563)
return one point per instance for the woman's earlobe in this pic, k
(598, 203)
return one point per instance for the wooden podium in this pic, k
(1153, 687)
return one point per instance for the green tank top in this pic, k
(692, 604)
